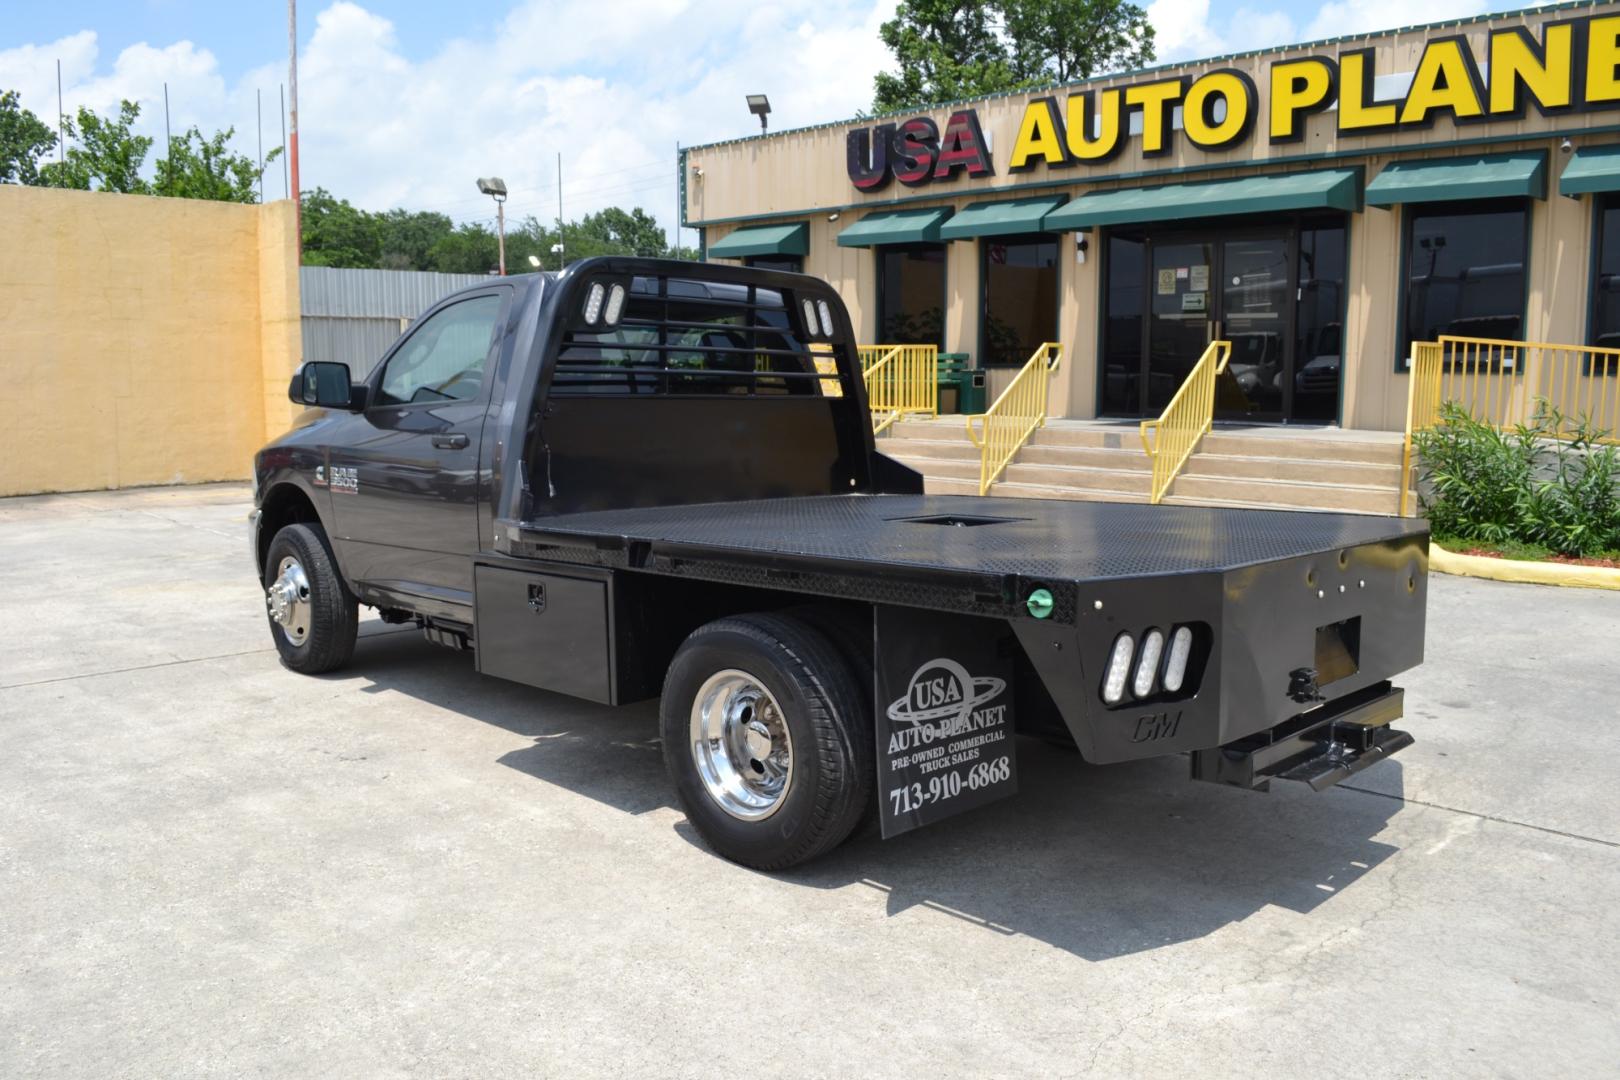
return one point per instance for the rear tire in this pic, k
(767, 740)
(313, 615)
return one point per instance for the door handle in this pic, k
(453, 441)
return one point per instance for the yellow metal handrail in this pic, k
(901, 380)
(1185, 420)
(1015, 414)
(1499, 382)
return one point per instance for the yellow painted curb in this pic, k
(1520, 570)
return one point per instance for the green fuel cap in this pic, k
(1039, 603)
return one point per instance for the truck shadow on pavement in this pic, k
(1100, 861)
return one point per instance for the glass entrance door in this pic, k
(1182, 320)
(1254, 310)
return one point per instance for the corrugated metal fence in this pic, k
(352, 316)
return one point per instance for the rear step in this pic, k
(1319, 748)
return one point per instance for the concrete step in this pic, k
(952, 468)
(946, 427)
(940, 485)
(1302, 447)
(1282, 494)
(1096, 457)
(930, 448)
(1302, 470)
(1084, 477)
(1014, 490)
(1109, 437)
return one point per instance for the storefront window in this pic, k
(911, 294)
(1122, 336)
(1020, 312)
(793, 264)
(1465, 271)
(1319, 324)
(1605, 329)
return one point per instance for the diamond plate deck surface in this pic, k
(1052, 539)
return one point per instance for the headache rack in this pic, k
(691, 337)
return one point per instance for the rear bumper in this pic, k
(1320, 748)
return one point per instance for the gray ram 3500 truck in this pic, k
(640, 478)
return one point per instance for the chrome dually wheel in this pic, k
(288, 600)
(741, 745)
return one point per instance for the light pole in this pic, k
(495, 188)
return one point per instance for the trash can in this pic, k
(961, 388)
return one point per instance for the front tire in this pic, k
(767, 739)
(313, 616)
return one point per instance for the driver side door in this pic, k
(406, 485)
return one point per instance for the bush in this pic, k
(1549, 482)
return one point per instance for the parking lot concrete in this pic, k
(210, 866)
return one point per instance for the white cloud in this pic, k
(1182, 30)
(1341, 18)
(612, 86)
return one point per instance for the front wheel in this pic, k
(767, 739)
(313, 616)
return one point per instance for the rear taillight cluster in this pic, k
(1148, 667)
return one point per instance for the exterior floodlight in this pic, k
(615, 305)
(534, 261)
(593, 302)
(495, 188)
(760, 106)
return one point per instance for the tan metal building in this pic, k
(1320, 205)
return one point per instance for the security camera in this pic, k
(1566, 147)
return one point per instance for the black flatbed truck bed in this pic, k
(702, 514)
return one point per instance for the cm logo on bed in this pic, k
(942, 702)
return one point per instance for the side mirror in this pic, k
(324, 384)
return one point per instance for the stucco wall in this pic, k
(143, 340)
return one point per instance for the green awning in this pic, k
(1592, 169)
(1001, 218)
(1334, 189)
(896, 227)
(1493, 176)
(791, 239)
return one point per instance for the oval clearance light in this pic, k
(593, 302)
(809, 317)
(826, 317)
(1119, 666)
(615, 305)
(1147, 668)
(1175, 670)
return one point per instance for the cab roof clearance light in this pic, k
(593, 302)
(1119, 667)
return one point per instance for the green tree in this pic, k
(24, 139)
(470, 248)
(408, 238)
(948, 51)
(108, 156)
(1063, 40)
(337, 234)
(206, 168)
(623, 232)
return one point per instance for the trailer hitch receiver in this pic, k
(1320, 747)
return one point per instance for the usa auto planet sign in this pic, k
(945, 720)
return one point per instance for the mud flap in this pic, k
(944, 709)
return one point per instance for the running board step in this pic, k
(1319, 748)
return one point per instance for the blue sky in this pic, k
(404, 102)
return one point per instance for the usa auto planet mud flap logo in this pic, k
(945, 719)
